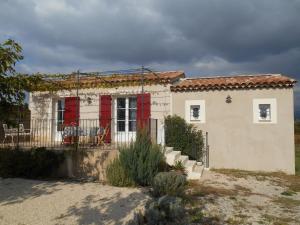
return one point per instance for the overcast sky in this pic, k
(201, 37)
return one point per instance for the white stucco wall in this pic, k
(42, 105)
(235, 140)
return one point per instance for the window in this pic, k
(121, 114)
(60, 113)
(195, 111)
(265, 110)
(132, 114)
(126, 114)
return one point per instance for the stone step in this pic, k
(199, 169)
(183, 159)
(171, 157)
(168, 149)
(193, 175)
(189, 165)
(194, 170)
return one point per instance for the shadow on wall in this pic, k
(41, 104)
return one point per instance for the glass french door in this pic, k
(125, 121)
(58, 121)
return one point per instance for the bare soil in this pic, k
(240, 197)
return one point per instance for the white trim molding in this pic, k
(271, 116)
(198, 104)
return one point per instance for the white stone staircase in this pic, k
(193, 169)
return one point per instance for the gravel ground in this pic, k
(30, 202)
(248, 199)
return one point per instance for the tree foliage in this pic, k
(13, 86)
(10, 54)
(10, 93)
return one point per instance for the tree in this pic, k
(13, 85)
(10, 53)
(11, 93)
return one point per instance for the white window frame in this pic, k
(126, 135)
(191, 103)
(273, 110)
(62, 111)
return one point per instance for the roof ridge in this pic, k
(232, 76)
(234, 82)
(92, 74)
(168, 71)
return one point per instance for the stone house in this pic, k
(249, 118)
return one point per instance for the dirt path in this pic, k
(28, 202)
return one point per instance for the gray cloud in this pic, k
(201, 37)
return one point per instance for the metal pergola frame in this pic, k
(137, 71)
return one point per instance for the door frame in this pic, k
(123, 136)
(56, 134)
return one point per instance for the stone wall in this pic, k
(87, 164)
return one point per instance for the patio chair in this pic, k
(8, 133)
(93, 136)
(69, 134)
(102, 134)
(24, 132)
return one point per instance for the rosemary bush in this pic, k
(169, 183)
(137, 164)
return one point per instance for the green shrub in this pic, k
(166, 210)
(183, 137)
(35, 163)
(169, 183)
(117, 176)
(297, 127)
(141, 159)
(179, 167)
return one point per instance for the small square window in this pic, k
(264, 112)
(195, 112)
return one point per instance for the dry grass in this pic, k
(201, 189)
(236, 220)
(240, 203)
(244, 190)
(281, 179)
(278, 220)
(287, 203)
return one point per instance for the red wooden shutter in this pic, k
(72, 106)
(143, 110)
(105, 115)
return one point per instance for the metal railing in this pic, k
(88, 134)
(205, 152)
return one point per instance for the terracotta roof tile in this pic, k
(233, 82)
(120, 79)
